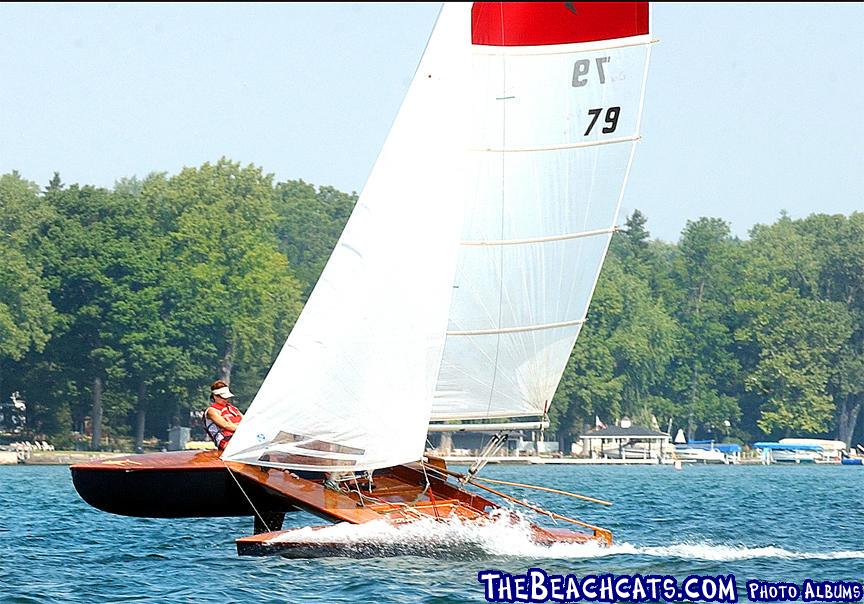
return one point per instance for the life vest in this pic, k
(221, 436)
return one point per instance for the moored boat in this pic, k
(801, 450)
(831, 450)
(708, 451)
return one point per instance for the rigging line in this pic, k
(397, 506)
(431, 491)
(252, 505)
(546, 489)
(359, 493)
(534, 508)
(364, 498)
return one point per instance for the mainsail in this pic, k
(352, 387)
(464, 274)
(556, 99)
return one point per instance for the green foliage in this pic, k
(158, 286)
(310, 223)
(26, 313)
(718, 336)
(796, 333)
(704, 275)
(233, 290)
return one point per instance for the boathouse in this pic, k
(626, 442)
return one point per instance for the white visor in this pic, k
(223, 392)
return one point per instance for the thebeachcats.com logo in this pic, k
(536, 585)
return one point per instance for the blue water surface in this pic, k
(771, 523)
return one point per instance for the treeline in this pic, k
(118, 308)
(723, 337)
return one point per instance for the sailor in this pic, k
(221, 417)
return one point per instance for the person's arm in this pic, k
(221, 421)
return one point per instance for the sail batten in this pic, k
(611, 141)
(499, 330)
(530, 240)
(533, 51)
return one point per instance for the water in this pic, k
(769, 523)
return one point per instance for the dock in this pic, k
(564, 461)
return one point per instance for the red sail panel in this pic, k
(543, 23)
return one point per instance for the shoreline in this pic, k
(55, 458)
(68, 458)
(585, 461)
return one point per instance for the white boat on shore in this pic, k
(705, 451)
(832, 450)
(801, 450)
(690, 454)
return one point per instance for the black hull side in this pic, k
(150, 488)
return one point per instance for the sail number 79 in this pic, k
(611, 119)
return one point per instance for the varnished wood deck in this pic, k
(399, 495)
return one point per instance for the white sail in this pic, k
(352, 388)
(557, 96)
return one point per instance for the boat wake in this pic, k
(722, 553)
(502, 535)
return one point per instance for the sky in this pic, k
(750, 109)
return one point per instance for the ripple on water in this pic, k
(768, 523)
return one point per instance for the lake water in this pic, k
(769, 523)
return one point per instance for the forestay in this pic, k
(556, 99)
(352, 387)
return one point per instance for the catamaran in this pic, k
(452, 299)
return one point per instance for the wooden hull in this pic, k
(189, 484)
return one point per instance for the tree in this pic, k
(794, 336)
(26, 313)
(589, 386)
(309, 224)
(27, 316)
(706, 370)
(632, 246)
(233, 290)
(80, 247)
(838, 246)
